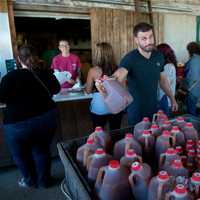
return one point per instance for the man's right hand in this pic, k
(120, 74)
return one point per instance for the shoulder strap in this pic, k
(194, 84)
(43, 85)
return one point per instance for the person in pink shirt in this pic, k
(66, 61)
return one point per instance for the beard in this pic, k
(148, 48)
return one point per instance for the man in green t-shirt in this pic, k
(143, 68)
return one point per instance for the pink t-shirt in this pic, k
(70, 63)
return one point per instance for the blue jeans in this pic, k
(29, 142)
(191, 102)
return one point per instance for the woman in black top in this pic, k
(30, 116)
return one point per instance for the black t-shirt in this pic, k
(25, 97)
(143, 78)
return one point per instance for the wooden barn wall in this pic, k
(116, 27)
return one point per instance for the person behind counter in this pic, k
(67, 62)
(30, 117)
(104, 64)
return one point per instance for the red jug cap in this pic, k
(177, 163)
(180, 189)
(163, 175)
(114, 164)
(175, 129)
(166, 122)
(130, 153)
(166, 133)
(129, 136)
(90, 141)
(160, 112)
(189, 146)
(196, 177)
(189, 125)
(198, 149)
(146, 132)
(179, 149)
(98, 128)
(136, 166)
(145, 119)
(190, 142)
(171, 151)
(191, 152)
(179, 119)
(99, 151)
(154, 126)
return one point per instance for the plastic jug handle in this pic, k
(162, 159)
(140, 159)
(168, 195)
(196, 191)
(127, 146)
(173, 140)
(160, 189)
(99, 178)
(89, 159)
(85, 156)
(154, 118)
(130, 178)
(146, 143)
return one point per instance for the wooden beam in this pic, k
(3, 6)
(12, 27)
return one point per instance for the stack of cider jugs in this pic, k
(169, 150)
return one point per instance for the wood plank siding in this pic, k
(116, 27)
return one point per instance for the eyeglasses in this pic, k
(62, 45)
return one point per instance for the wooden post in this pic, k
(12, 27)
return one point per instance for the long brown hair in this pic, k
(104, 58)
(29, 57)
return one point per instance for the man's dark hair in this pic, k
(193, 48)
(141, 27)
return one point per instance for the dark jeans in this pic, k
(29, 142)
(114, 120)
(191, 102)
(135, 115)
(163, 105)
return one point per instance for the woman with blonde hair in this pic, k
(104, 64)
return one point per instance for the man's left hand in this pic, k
(174, 105)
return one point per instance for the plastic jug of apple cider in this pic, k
(140, 127)
(177, 169)
(117, 98)
(180, 122)
(167, 158)
(179, 193)
(160, 117)
(85, 151)
(126, 143)
(112, 182)
(159, 186)
(95, 162)
(130, 157)
(139, 179)
(163, 142)
(179, 135)
(155, 130)
(102, 138)
(190, 132)
(194, 185)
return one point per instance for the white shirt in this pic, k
(170, 74)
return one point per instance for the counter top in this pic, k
(66, 96)
(71, 96)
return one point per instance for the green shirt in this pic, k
(143, 78)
